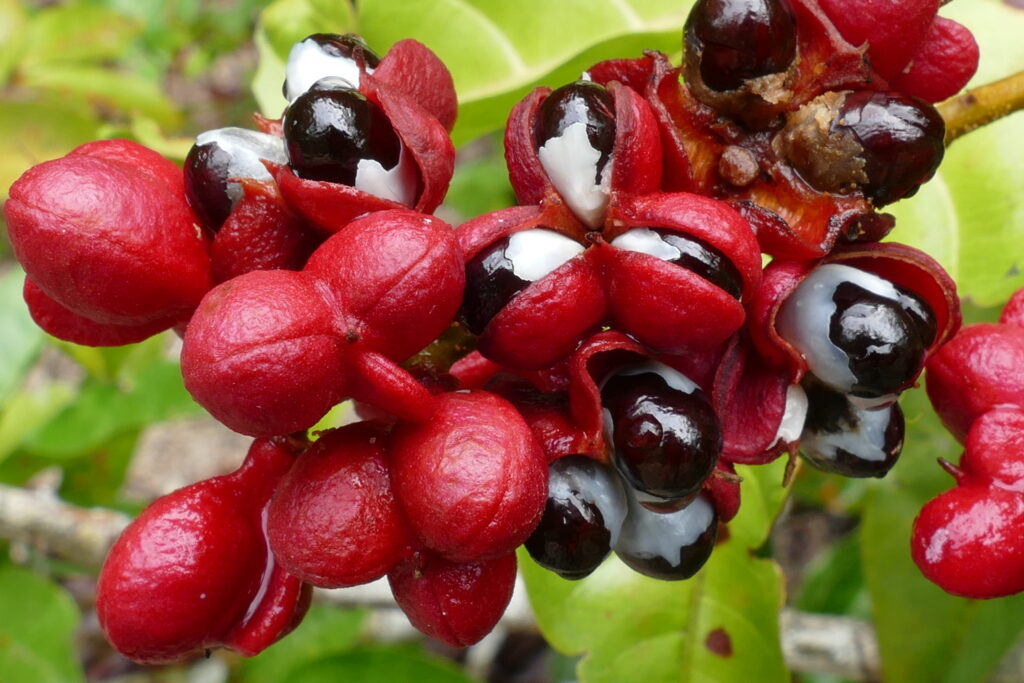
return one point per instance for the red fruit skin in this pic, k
(398, 277)
(270, 352)
(333, 521)
(1013, 311)
(667, 307)
(261, 355)
(261, 233)
(193, 572)
(69, 326)
(107, 234)
(946, 60)
(979, 369)
(411, 67)
(968, 541)
(455, 603)
(994, 449)
(472, 480)
(892, 30)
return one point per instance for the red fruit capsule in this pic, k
(968, 541)
(333, 521)
(193, 571)
(472, 480)
(106, 234)
(456, 603)
(979, 369)
(994, 449)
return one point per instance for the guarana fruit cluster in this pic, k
(579, 373)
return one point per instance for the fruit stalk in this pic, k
(982, 105)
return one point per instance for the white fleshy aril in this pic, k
(537, 252)
(397, 184)
(571, 164)
(865, 440)
(308, 63)
(803, 320)
(646, 241)
(646, 534)
(246, 149)
(594, 483)
(793, 416)
(673, 378)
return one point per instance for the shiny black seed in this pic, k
(582, 101)
(902, 138)
(206, 187)
(647, 535)
(879, 337)
(329, 129)
(491, 283)
(736, 40)
(573, 536)
(705, 260)
(836, 438)
(920, 313)
(666, 442)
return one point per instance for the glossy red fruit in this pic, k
(994, 449)
(892, 31)
(456, 603)
(333, 521)
(979, 369)
(945, 62)
(968, 541)
(106, 234)
(193, 571)
(1013, 311)
(271, 351)
(472, 480)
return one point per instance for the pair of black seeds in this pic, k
(665, 444)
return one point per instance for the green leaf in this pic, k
(37, 624)
(497, 50)
(22, 339)
(384, 663)
(28, 411)
(834, 582)
(78, 32)
(325, 632)
(33, 132)
(13, 20)
(925, 634)
(107, 409)
(480, 185)
(632, 627)
(283, 23)
(117, 89)
(970, 217)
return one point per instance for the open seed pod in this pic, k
(581, 145)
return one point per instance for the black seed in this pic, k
(491, 283)
(666, 442)
(582, 101)
(573, 536)
(879, 337)
(902, 138)
(345, 45)
(831, 416)
(206, 187)
(329, 129)
(705, 260)
(645, 534)
(736, 40)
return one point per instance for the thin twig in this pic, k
(982, 105)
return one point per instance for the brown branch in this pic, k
(982, 105)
